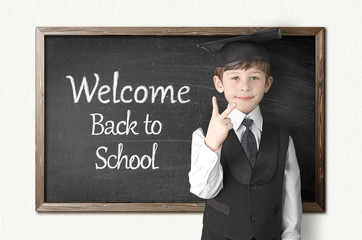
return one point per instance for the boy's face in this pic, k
(246, 88)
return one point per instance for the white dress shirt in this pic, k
(206, 174)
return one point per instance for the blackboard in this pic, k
(116, 108)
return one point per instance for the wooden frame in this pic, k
(42, 32)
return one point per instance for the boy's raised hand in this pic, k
(219, 126)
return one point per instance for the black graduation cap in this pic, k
(232, 51)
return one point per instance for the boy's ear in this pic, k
(268, 84)
(218, 84)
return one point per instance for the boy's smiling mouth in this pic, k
(244, 98)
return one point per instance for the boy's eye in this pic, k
(235, 78)
(254, 78)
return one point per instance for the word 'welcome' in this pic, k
(126, 94)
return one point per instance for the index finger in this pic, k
(215, 107)
(228, 110)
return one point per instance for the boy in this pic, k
(244, 166)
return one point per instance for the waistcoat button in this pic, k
(253, 188)
(254, 218)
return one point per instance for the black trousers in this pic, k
(210, 235)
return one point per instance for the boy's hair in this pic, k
(262, 65)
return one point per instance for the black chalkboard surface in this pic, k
(119, 111)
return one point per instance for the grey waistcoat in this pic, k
(250, 204)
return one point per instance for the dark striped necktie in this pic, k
(249, 143)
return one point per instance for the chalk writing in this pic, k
(115, 94)
(106, 94)
(110, 127)
(134, 162)
(153, 126)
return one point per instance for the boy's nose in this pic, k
(244, 86)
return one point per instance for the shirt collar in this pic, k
(237, 118)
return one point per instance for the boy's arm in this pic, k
(206, 174)
(292, 201)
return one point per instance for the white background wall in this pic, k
(18, 19)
